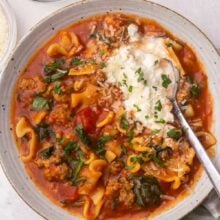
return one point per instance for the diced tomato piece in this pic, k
(88, 118)
(67, 192)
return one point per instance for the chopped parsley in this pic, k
(146, 116)
(174, 133)
(137, 108)
(140, 74)
(57, 88)
(136, 159)
(130, 88)
(156, 62)
(166, 80)
(99, 149)
(52, 67)
(77, 61)
(124, 122)
(195, 90)
(161, 121)
(125, 76)
(124, 82)
(158, 106)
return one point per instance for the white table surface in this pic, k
(204, 13)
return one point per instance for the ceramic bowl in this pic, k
(177, 24)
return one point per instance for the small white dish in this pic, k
(12, 32)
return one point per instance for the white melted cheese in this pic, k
(137, 69)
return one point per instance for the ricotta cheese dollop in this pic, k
(143, 71)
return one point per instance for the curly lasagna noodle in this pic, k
(93, 124)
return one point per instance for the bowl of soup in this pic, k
(87, 129)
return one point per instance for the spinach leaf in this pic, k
(52, 67)
(40, 103)
(77, 163)
(44, 131)
(147, 190)
(99, 149)
(46, 153)
(58, 75)
(80, 132)
(157, 160)
(70, 147)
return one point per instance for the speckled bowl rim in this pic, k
(173, 213)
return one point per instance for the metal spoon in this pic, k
(211, 170)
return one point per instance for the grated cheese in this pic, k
(137, 70)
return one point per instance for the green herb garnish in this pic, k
(124, 122)
(80, 132)
(158, 106)
(60, 74)
(195, 90)
(137, 107)
(174, 133)
(70, 147)
(130, 88)
(51, 68)
(147, 190)
(136, 159)
(44, 132)
(166, 80)
(57, 88)
(77, 61)
(161, 121)
(157, 160)
(99, 149)
(140, 74)
(40, 103)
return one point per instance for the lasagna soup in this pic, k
(93, 123)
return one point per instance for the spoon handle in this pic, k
(212, 172)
